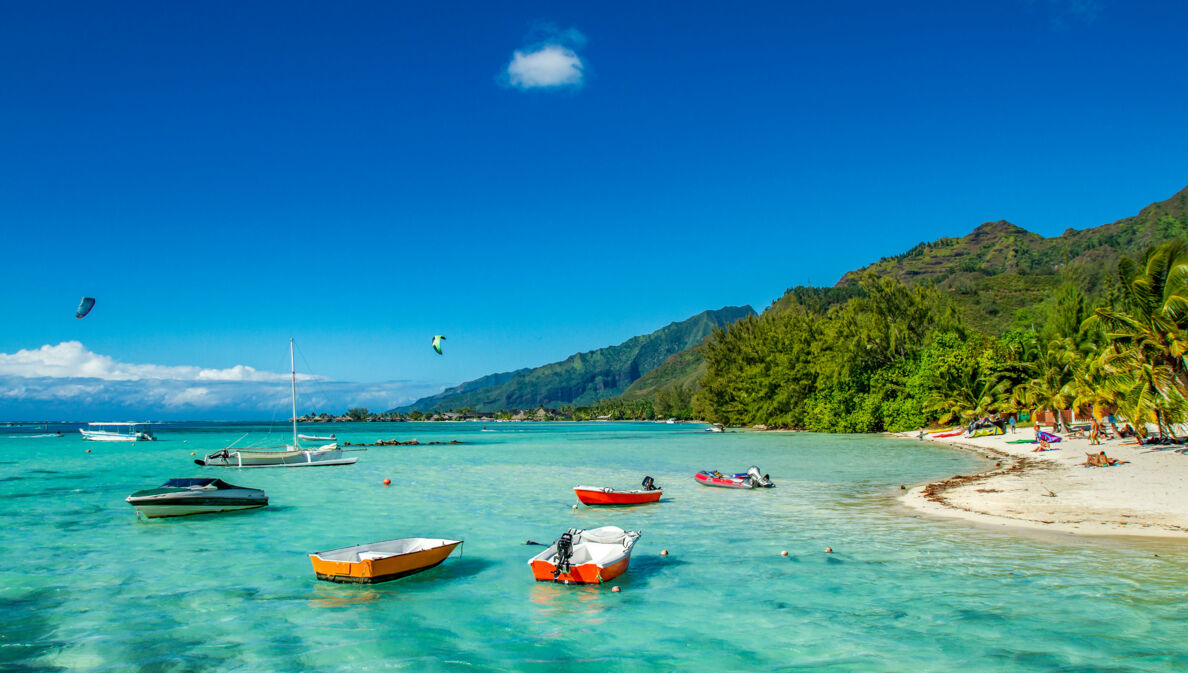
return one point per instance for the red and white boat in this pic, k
(597, 495)
(752, 478)
(585, 556)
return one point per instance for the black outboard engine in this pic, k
(649, 484)
(564, 553)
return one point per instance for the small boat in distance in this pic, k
(117, 432)
(292, 455)
(381, 561)
(592, 495)
(585, 556)
(182, 497)
(716, 427)
(752, 478)
(318, 438)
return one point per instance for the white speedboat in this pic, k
(117, 432)
(293, 455)
(181, 497)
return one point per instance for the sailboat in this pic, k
(289, 456)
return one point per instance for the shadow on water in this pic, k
(28, 634)
(337, 595)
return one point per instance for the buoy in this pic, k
(829, 550)
(784, 553)
(387, 482)
(575, 506)
(615, 589)
(664, 552)
(191, 453)
(88, 450)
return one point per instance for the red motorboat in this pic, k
(752, 478)
(596, 495)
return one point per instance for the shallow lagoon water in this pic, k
(85, 586)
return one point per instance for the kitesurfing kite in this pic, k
(437, 343)
(84, 307)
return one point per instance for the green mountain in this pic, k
(1000, 274)
(583, 378)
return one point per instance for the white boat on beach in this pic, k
(117, 432)
(292, 455)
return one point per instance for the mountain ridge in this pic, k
(585, 377)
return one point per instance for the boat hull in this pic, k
(164, 511)
(184, 501)
(722, 482)
(94, 436)
(602, 496)
(587, 573)
(275, 459)
(372, 571)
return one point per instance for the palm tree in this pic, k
(1149, 335)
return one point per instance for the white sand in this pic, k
(1145, 496)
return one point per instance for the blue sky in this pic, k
(529, 180)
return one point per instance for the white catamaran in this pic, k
(117, 432)
(287, 456)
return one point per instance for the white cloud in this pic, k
(550, 62)
(70, 381)
(70, 359)
(549, 66)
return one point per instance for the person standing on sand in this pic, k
(1011, 422)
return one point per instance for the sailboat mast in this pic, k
(293, 384)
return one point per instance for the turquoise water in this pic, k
(85, 586)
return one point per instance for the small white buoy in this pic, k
(575, 506)
(784, 553)
(615, 589)
(664, 552)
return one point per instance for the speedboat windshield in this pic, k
(189, 483)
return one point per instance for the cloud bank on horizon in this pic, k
(550, 62)
(69, 381)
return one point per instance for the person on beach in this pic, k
(1043, 446)
(1011, 422)
(1094, 432)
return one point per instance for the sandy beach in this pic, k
(1053, 491)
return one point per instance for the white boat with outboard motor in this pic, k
(293, 455)
(126, 431)
(182, 497)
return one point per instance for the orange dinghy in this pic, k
(381, 561)
(593, 495)
(585, 556)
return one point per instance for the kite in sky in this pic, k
(84, 307)
(437, 343)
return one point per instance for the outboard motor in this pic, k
(564, 553)
(649, 484)
(759, 479)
